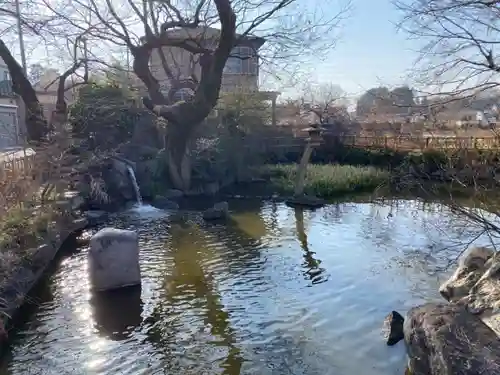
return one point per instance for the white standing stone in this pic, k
(114, 259)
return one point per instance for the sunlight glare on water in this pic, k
(274, 291)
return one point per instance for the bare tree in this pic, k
(205, 30)
(192, 40)
(325, 101)
(457, 58)
(42, 29)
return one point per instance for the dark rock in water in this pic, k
(446, 339)
(257, 180)
(165, 203)
(219, 211)
(95, 217)
(173, 194)
(393, 325)
(305, 201)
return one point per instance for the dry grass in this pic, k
(28, 188)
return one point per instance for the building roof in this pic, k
(206, 32)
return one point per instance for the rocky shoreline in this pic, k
(460, 337)
(17, 286)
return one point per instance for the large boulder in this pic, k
(446, 339)
(106, 184)
(472, 265)
(476, 285)
(114, 259)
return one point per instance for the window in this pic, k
(5, 75)
(241, 61)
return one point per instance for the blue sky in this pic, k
(370, 51)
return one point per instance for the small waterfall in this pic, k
(138, 196)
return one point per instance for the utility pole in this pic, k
(21, 39)
(128, 67)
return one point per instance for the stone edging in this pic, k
(24, 279)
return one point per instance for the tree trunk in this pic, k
(179, 156)
(36, 124)
(184, 117)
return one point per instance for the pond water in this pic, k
(277, 291)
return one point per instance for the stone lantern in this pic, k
(314, 140)
(315, 136)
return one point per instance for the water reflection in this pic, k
(236, 299)
(117, 313)
(240, 247)
(313, 270)
(189, 284)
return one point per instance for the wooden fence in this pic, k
(402, 143)
(409, 143)
(16, 163)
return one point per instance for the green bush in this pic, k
(105, 116)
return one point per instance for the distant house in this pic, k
(241, 73)
(9, 110)
(466, 117)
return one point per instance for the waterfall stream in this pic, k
(138, 196)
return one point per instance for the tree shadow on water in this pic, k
(312, 266)
(244, 237)
(117, 313)
(190, 324)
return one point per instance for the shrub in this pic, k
(105, 116)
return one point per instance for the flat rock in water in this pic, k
(219, 211)
(305, 201)
(446, 339)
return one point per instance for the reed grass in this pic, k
(327, 180)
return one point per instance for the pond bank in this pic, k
(276, 290)
(31, 238)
